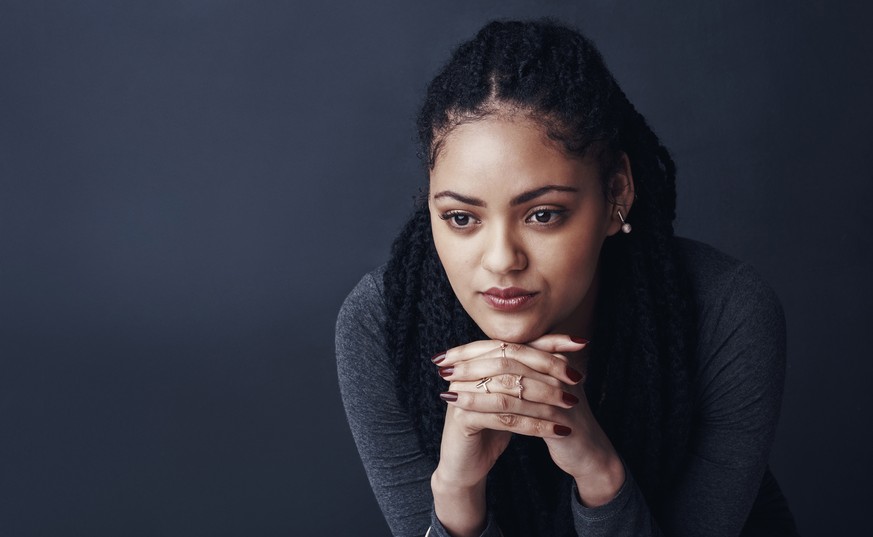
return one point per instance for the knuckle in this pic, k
(510, 420)
(504, 364)
(556, 365)
(469, 426)
(537, 427)
(514, 347)
(503, 403)
(507, 381)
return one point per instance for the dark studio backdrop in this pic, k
(189, 189)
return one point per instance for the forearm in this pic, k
(461, 510)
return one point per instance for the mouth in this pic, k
(509, 299)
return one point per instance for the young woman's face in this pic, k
(518, 226)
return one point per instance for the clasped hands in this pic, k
(550, 404)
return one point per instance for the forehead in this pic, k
(503, 154)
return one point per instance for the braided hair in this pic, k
(640, 366)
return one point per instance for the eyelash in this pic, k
(558, 216)
(449, 217)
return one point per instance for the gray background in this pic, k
(189, 189)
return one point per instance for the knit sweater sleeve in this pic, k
(738, 391)
(398, 471)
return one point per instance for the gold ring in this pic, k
(503, 346)
(484, 384)
(518, 384)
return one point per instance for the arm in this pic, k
(399, 473)
(738, 392)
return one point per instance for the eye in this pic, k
(543, 217)
(461, 220)
(546, 216)
(458, 219)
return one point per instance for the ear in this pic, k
(621, 194)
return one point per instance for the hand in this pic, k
(478, 424)
(552, 406)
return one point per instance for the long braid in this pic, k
(425, 318)
(640, 369)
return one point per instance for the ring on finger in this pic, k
(518, 385)
(483, 383)
(503, 346)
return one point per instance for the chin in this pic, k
(513, 332)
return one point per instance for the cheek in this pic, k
(569, 263)
(455, 255)
(571, 252)
(575, 270)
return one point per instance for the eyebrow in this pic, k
(524, 197)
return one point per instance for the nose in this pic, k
(504, 251)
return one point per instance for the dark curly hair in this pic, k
(640, 369)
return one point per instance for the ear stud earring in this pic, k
(625, 227)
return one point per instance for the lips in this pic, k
(509, 299)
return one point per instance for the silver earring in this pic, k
(625, 227)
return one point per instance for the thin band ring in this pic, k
(518, 384)
(483, 383)
(503, 346)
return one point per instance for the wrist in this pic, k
(601, 480)
(459, 508)
(442, 486)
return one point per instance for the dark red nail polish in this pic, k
(561, 430)
(574, 375)
(439, 357)
(581, 340)
(446, 371)
(452, 396)
(569, 398)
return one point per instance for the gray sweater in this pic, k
(725, 488)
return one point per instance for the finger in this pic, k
(466, 352)
(502, 361)
(477, 369)
(488, 413)
(553, 343)
(532, 389)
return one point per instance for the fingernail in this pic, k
(569, 398)
(446, 371)
(452, 396)
(560, 430)
(574, 375)
(439, 357)
(580, 340)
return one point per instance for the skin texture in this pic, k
(510, 209)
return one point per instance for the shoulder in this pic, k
(365, 301)
(740, 333)
(723, 286)
(360, 324)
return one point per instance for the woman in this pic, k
(541, 356)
